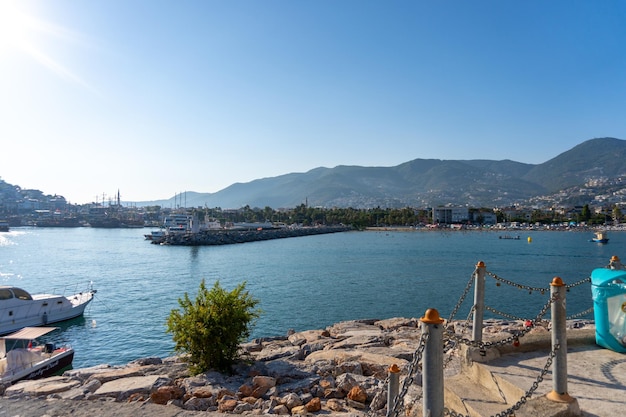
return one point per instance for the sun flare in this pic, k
(16, 28)
(23, 33)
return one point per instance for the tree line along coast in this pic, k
(113, 216)
(33, 208)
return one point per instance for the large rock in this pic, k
(199, 404)
(107, 374)
(291, 400)
(84, 373)
(314, 405)
(309, 336)
(374, 339)
(227, 405)
(397, 323)
(372, 364)
(346, 329)
(357, 394)
(122, 388)
(164, 394)
(42, 387)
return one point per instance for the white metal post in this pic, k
(479, 301)
(559, 393)
(393, 388)
(432, 364)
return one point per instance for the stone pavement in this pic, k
(36, 407)
(596, 377)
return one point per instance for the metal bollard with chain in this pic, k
(432, 374)
(410, 378)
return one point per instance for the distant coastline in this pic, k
(499, 229)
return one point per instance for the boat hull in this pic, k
(41, 320)
(42, 310)
(51, 367)
(600, 237)
(48, 367)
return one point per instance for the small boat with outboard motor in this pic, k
(22, 357)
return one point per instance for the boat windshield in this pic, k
(5, 294)
(21, 294)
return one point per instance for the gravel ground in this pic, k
(61, 408)
(79, 408)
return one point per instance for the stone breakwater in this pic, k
(229, 237)
(339, 370)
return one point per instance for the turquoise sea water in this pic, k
(302, 283)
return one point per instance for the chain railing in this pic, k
(466, 291)
(451, 340)
(515, 336)
(394, 409)
(580, 314)
(516, 285)
(532, 290)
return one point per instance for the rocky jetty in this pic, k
(338, 370)
(229, 237)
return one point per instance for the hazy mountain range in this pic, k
(421, 182)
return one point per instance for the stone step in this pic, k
(487, 388)
(465, 396)
(483, 391)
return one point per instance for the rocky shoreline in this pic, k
(340, 370)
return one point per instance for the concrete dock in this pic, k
(596, 381)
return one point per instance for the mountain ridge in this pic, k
(422, 182)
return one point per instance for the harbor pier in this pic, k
(229, 237)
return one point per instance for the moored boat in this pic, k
(21, 357)
(155, 235)
(18, 308)
(58, 222)
(516, 237)
(600, 237)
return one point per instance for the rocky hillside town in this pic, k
(586, 184)
(600, 201)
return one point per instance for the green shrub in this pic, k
(210, 328)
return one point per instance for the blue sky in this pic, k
(158, 97)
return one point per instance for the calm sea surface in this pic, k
(302, 283)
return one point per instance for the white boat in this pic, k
(600, 237)
(22, 358)
(185, 223)
(19, 309)
(177, 222)
(155, 235)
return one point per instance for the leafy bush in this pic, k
(210, 328)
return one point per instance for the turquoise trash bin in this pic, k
(608, 288)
